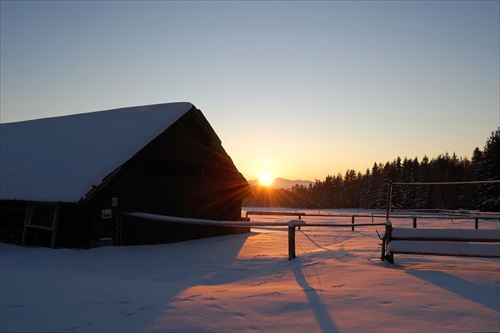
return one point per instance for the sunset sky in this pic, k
(297, 89)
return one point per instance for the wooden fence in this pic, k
(374, 216)
(293, 225)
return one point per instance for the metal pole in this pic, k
(389, 200)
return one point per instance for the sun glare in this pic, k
(266, 179)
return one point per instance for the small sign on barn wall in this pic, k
(106, 214)
(114, 201)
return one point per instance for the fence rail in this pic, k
(259, 212)
(373, 216)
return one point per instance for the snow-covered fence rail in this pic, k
(449, 215)
(443, 242)
(178, 228)
(203, 221)
(452, 217)
(274, 213)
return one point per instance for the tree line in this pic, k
(369, 190)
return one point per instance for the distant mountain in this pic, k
(283, 183)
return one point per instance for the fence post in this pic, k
(476, 224)
(414, 222)
(291, 242)
(353, 223)
(387, 238)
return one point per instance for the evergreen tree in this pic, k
(489, 169)
(477, 158)
(422, 193)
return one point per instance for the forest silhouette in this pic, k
(369, 190)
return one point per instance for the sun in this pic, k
(266, 179)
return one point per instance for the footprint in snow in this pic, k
(337, 286)
(220, 290)
(258, 283)
(133, 312)
(77, 327)
(188, 298)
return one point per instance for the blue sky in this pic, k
(297, 89)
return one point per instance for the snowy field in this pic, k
(245, 282)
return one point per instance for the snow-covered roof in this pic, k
(62, 158)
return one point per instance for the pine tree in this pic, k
(489, 169)
(423, 192)
(477, 160)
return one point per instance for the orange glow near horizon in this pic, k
(266, 179)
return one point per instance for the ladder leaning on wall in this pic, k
(29, 225)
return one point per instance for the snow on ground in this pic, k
(246, 283)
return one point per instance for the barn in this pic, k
(68, 181)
